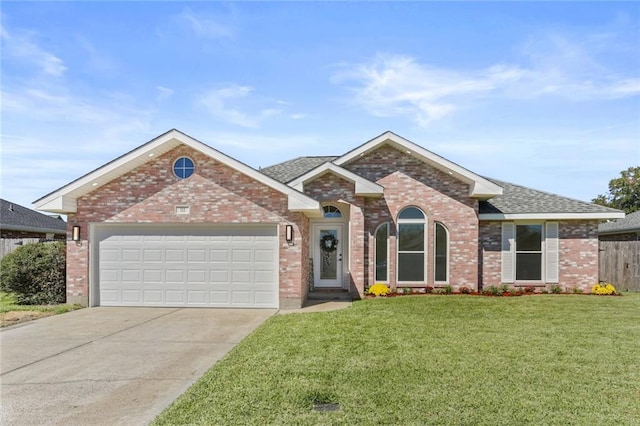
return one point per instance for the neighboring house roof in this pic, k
(630, 223)
(63, 200)
(289, 170)
(15, 217)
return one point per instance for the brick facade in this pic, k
(578, 257)
(407, 182)
(216, 194)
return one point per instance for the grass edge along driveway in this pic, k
(548, 359)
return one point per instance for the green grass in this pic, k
(548, 359)
(8, 304)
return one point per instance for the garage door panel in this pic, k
(169, 266)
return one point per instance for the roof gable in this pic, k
(18, 218)
(63, 200)
(479, 187)
(363, 186)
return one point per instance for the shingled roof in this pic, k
(518, 199)
(514, 200)
(15, 217)
(631, 223)
(289, 170)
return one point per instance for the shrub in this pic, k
(378, 289)
(447, 289)
(428, 289)
(492, 291)
(35, 273)
(578, 290)
(505, 288)
(603, 289)
(530, 289)
(556, 289)
(465, 290)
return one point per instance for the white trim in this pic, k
(552, 252)
(448, 258)
(63, 200)
(479, 187)
(364, 187)
(507, 248)
(375, 251)
(425, 237)
(549, 216)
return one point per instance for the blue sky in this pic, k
(541, 94)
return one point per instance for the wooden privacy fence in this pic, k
(620, 264)
(7, 245)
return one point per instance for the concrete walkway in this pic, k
(112, 366)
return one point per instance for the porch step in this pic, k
(329, 294)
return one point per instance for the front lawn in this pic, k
(547, 359)
(12, 313)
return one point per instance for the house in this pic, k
(176, 222)
(626, 229)
(20, 222)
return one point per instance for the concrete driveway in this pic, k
(112, 366)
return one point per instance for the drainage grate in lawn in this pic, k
(326, 407)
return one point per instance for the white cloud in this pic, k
(206, 27)
(569, 67)
(21, 45)
(224, 103)
(164, 93)
(393, 85)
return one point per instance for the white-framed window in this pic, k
(411, 265)
(330, 211)
(530, 252)
(441, 253)
(183, 167)
(381, 255)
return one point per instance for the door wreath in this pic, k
(328, 243)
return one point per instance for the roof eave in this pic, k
(550, 216)
(64, 199)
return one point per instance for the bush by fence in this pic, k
(36, 273)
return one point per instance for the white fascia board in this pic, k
(64, 199)
(60, 204)
(550, 216)
(363, 187)
(479, 187)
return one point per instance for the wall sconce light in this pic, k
(288, 234)
(75, 234)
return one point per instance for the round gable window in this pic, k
(183, 167)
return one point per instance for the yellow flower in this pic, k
(378, 289)
(603, 289)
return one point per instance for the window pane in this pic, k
(411, 267)
(411, 213)
(381, 253)
(529, 266)
(441, 253)
(411, 237)
(529, 237)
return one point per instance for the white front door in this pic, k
(327, 256)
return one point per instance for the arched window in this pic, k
(382, 253)
(441, 253)
(331, 211)
(411, 245)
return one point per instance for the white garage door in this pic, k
(188, 266)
